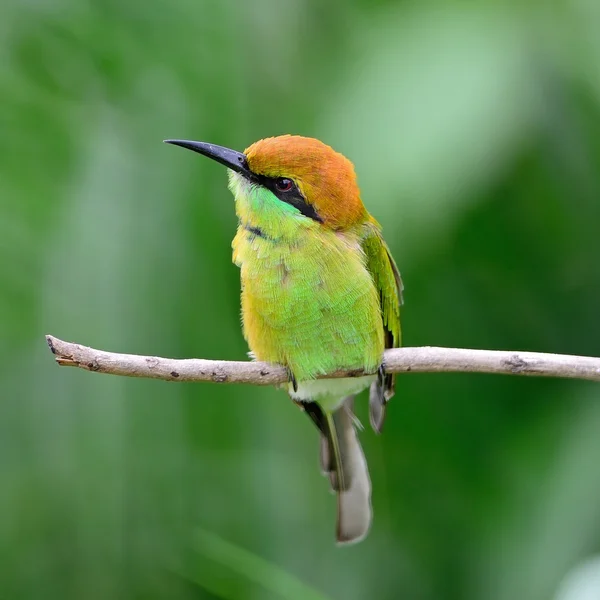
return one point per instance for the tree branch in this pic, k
(399, 360)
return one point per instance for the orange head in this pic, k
(317, 180)
(325, 178)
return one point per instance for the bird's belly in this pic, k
(312, 311)
(329, 392)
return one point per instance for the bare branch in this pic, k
(399, 360)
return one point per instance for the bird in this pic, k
(320, 293)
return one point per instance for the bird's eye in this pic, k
(283, 184)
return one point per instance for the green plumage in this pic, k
(312, 297)
(319, 300)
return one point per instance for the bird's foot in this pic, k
(378, 401)
(292, 379)
(381, 375)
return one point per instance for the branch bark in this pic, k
(399, 360)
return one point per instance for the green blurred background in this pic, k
(475, 130)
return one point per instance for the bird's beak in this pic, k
(236, 161)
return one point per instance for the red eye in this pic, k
(283, 184)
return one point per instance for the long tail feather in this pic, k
(343, 462)
(348, 474)
(317, 416)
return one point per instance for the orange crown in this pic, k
(325, 177)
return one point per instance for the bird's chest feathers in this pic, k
(289, 271)
(307, 301)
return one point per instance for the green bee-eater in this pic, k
(320, 293)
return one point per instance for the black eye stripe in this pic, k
(293, 196)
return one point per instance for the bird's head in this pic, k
(311, 179)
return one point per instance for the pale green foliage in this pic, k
(474, 128)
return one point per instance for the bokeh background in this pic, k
(475, 130)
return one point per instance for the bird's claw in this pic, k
(292, 379)
(381, 375)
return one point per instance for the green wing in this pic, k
(387, 280)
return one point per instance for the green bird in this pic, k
(320, 293)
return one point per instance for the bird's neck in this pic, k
(265, 216)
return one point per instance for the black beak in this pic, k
(236, 161)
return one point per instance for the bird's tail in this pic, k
(343, 460)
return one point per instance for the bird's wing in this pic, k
(388, 282)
